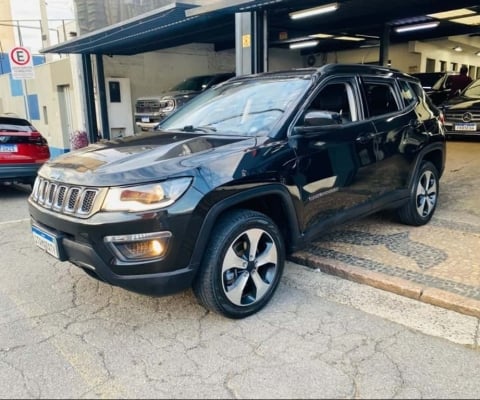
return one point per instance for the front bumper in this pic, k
(18, 172)
(149, 121)
(81, 243)
(459, 129)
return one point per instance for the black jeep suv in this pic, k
(244, 174)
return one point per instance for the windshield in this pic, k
(473, 90)
(196, 83)
(246, 107)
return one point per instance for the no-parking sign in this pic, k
(21, 63)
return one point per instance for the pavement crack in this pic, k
(477, 336)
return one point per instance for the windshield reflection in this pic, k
(473, 90)
(246, 108)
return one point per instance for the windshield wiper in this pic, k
(205, 128)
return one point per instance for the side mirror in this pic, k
(322, 118)
(317, 123)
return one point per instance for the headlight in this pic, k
(168, 105)
(145, 197)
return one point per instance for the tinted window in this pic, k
(335, 97)
(428, 79)
(380, 98)
(15, 125)
(407, 93)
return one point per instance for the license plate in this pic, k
(470, 127)
(145, 119)
(8, 148)
(45, 241)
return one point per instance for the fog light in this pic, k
(139, 247)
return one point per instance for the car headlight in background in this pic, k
(168, 105)
(145, 197)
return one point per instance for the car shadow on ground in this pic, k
(14, 191)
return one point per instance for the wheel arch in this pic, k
(436, 155)
(272, 200)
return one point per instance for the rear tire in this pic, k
(423, 197)
(242, 265)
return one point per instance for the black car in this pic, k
(437, 85)
(241, 176)
(462, 113)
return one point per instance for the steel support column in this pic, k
(89, 98)
(384, 46)
(251, 42)
(102, 96)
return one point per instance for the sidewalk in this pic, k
(438, 263)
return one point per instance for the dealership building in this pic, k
(118, 51)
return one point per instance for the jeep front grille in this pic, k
(79, 201)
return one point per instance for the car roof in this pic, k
(328, 69)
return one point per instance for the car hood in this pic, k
(463, 103)
(142, 158)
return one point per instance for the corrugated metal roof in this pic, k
(172, 25)
(131, 36)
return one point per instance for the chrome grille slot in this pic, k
(51, 194)
(88, 199)
(73, 200)
(60, 197)
(42, 192)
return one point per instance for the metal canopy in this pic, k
(165, 27)
(182, 23)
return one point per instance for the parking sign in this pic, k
(21, 63)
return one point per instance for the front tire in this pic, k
(423, 197)
(242, 266)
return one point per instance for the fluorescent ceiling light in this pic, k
(408, 28)
(321, 35)
(352, 38)
(301, 45)
(473, 20)
(457, 48)
(310, 12)
(477, 53)
(367, 36)
(459, 12)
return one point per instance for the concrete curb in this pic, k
(403, 287)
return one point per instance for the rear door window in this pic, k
(380, 97)
(407, 93)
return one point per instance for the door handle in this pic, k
(365, 138)
(415, 123)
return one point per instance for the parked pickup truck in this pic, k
(149, 111)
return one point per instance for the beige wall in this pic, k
(155, 72)
(7, 35)
(408, 57)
